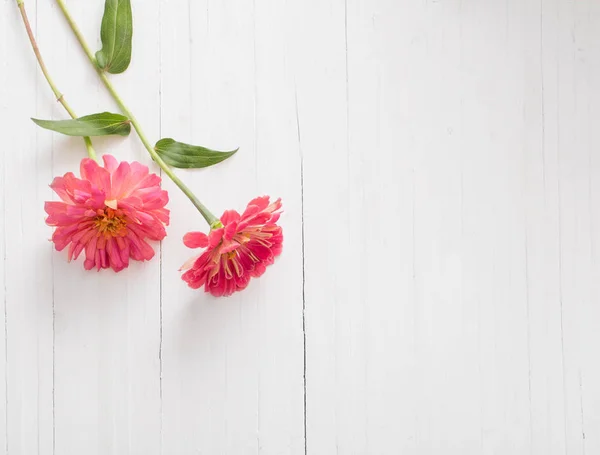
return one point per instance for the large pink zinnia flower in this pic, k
(109, 212)
(240, 247)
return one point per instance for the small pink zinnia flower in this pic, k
(110, 212)
(239, 248)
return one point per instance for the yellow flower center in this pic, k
(111, 222)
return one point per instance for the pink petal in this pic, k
(195, 240)
(261, 202)
(120, 181)
(110, 163)
(229, 216)
(214, 237)
(230, 230)
(98, 176)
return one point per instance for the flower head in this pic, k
(110, 213)
(240, 247)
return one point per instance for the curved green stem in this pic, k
(208, 216)
(59, 96)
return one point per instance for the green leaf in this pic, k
(116, 33)
(185, 156)
(104, 124)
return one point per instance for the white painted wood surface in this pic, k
(439, 291)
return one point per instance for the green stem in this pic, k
(208, 216)
(59, 96)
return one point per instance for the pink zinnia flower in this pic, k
(240, 247)
(110, 212)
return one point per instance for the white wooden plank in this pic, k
(27, 257)
(319, 65)
(543, 274)
(232, 368)
(107, 375)
(277, 157)
(574, 89)
(494, 98)
(588, 63)
(5, 17)
(360, 337)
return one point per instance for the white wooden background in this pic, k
(439, 291)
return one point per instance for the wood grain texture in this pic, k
(4, 106)
(439, 288)
(28, 271)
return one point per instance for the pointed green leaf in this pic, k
(116, 33)
(104, 124)
(185, 156)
